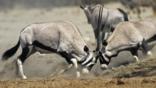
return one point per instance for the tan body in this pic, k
(103, 21)
(61, 37)
(130, 36)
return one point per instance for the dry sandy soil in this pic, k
(38, 68)
(80, 83)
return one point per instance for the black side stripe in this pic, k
(40, 45)
(63, 54)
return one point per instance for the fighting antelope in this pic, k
(61, 37)
(130, 36)
(103, 21)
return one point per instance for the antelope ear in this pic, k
(82, 7)
(86, 49)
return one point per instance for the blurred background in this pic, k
(17, 14)
(30, 4)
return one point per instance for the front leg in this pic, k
(74, 61)
(20, 69)
(134, 52)
(146, 48)
(104, 61)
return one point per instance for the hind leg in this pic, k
(26, 52)
(20, 69)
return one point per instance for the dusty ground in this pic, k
(80, 83)
(38, 68)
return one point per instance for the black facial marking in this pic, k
(102, 59)
(86, 49)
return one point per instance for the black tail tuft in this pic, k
(124, 14)
(10, 52)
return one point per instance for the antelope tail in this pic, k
(10, 52)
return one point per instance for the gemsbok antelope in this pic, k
(60, 37)
(130, 36)
(103, 21)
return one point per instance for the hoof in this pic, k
(149, 53)
(77, 74)
(104, 66)
(85, 71)
(24, 77)
(136, 59)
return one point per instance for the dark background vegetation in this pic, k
(10, 4)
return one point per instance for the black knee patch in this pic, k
(102, 59)
(104, 43)
(66, 56)
(24, 54)
(145, 46)
(134, 51)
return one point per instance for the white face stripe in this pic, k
(78, 58)
(108, 53)
(92, 62)
(89, 64)
(89, 57)
(106, 59)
